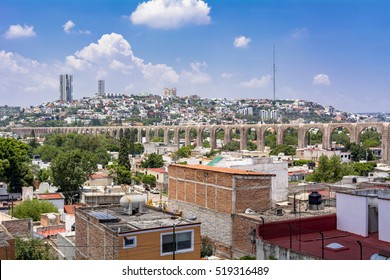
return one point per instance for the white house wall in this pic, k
(384, 219)
(352, 214)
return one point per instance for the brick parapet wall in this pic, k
(93, 240)
(19, 227)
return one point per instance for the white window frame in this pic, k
(177, 251)
(129, 246)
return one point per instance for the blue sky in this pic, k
(331, 52)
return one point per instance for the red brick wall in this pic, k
(93, 242)
(242, 226)
(255, 199)
(172, 188)
(201, 195)
(211, 200)
(224, 201)
(19, 227)
(190, 192)
(215, 190)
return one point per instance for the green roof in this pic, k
(215, 161)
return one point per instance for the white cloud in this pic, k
(227, 75)
(113, 52)
(171, 14)
(18, 31)
(241, 42)
(196, 76)
(257, 83)
(299, 32)
(321, 79)
(68, 26)
(26, 80)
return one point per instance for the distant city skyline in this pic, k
(331, 52)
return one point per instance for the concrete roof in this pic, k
(150, 218)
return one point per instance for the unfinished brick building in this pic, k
(216, 196)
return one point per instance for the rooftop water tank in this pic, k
(315, 198)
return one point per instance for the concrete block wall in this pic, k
(215, 225)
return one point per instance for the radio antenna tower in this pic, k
(273, 75)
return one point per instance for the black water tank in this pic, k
(315, 198)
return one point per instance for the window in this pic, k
(129, 242)
(184, 242)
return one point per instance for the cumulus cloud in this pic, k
(227, 75)
(299, 32)
(321, 79)
(257, 82)
(171, 14)
(112, 51)
(196, 75)
(68, 26)
(18, 31)
(241, 42)
(21, 77)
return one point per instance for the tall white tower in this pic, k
(101, 90)
(66, 87)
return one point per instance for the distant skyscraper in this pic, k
(101, 91)
(66, 87)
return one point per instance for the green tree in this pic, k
(71, 169)
(153, 161)
(33, 209)
(138, 149)
(359, 152)
(206, 144)
(123, 157)
(251, 146)
(33, 144)
(329, 170)
(286, 149)
(231, 146)
(370, 138)
(184, 151)
(121, 174)
(270, 139)
(44, 175)
(32, 249)
(149, 180)
(15, 164)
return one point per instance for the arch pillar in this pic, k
(260, 139)
(353, 136)
(385, 142)
(147, 136)
(166, 135)
(227, 135)
(199, 139)
(301, 137)
(279, 135)
(213, 137)
(243, 138)
(187, 140)
(176, 139)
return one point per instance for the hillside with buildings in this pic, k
(171, 109)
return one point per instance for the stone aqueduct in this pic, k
(354, 129)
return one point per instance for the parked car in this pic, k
(154, 190)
